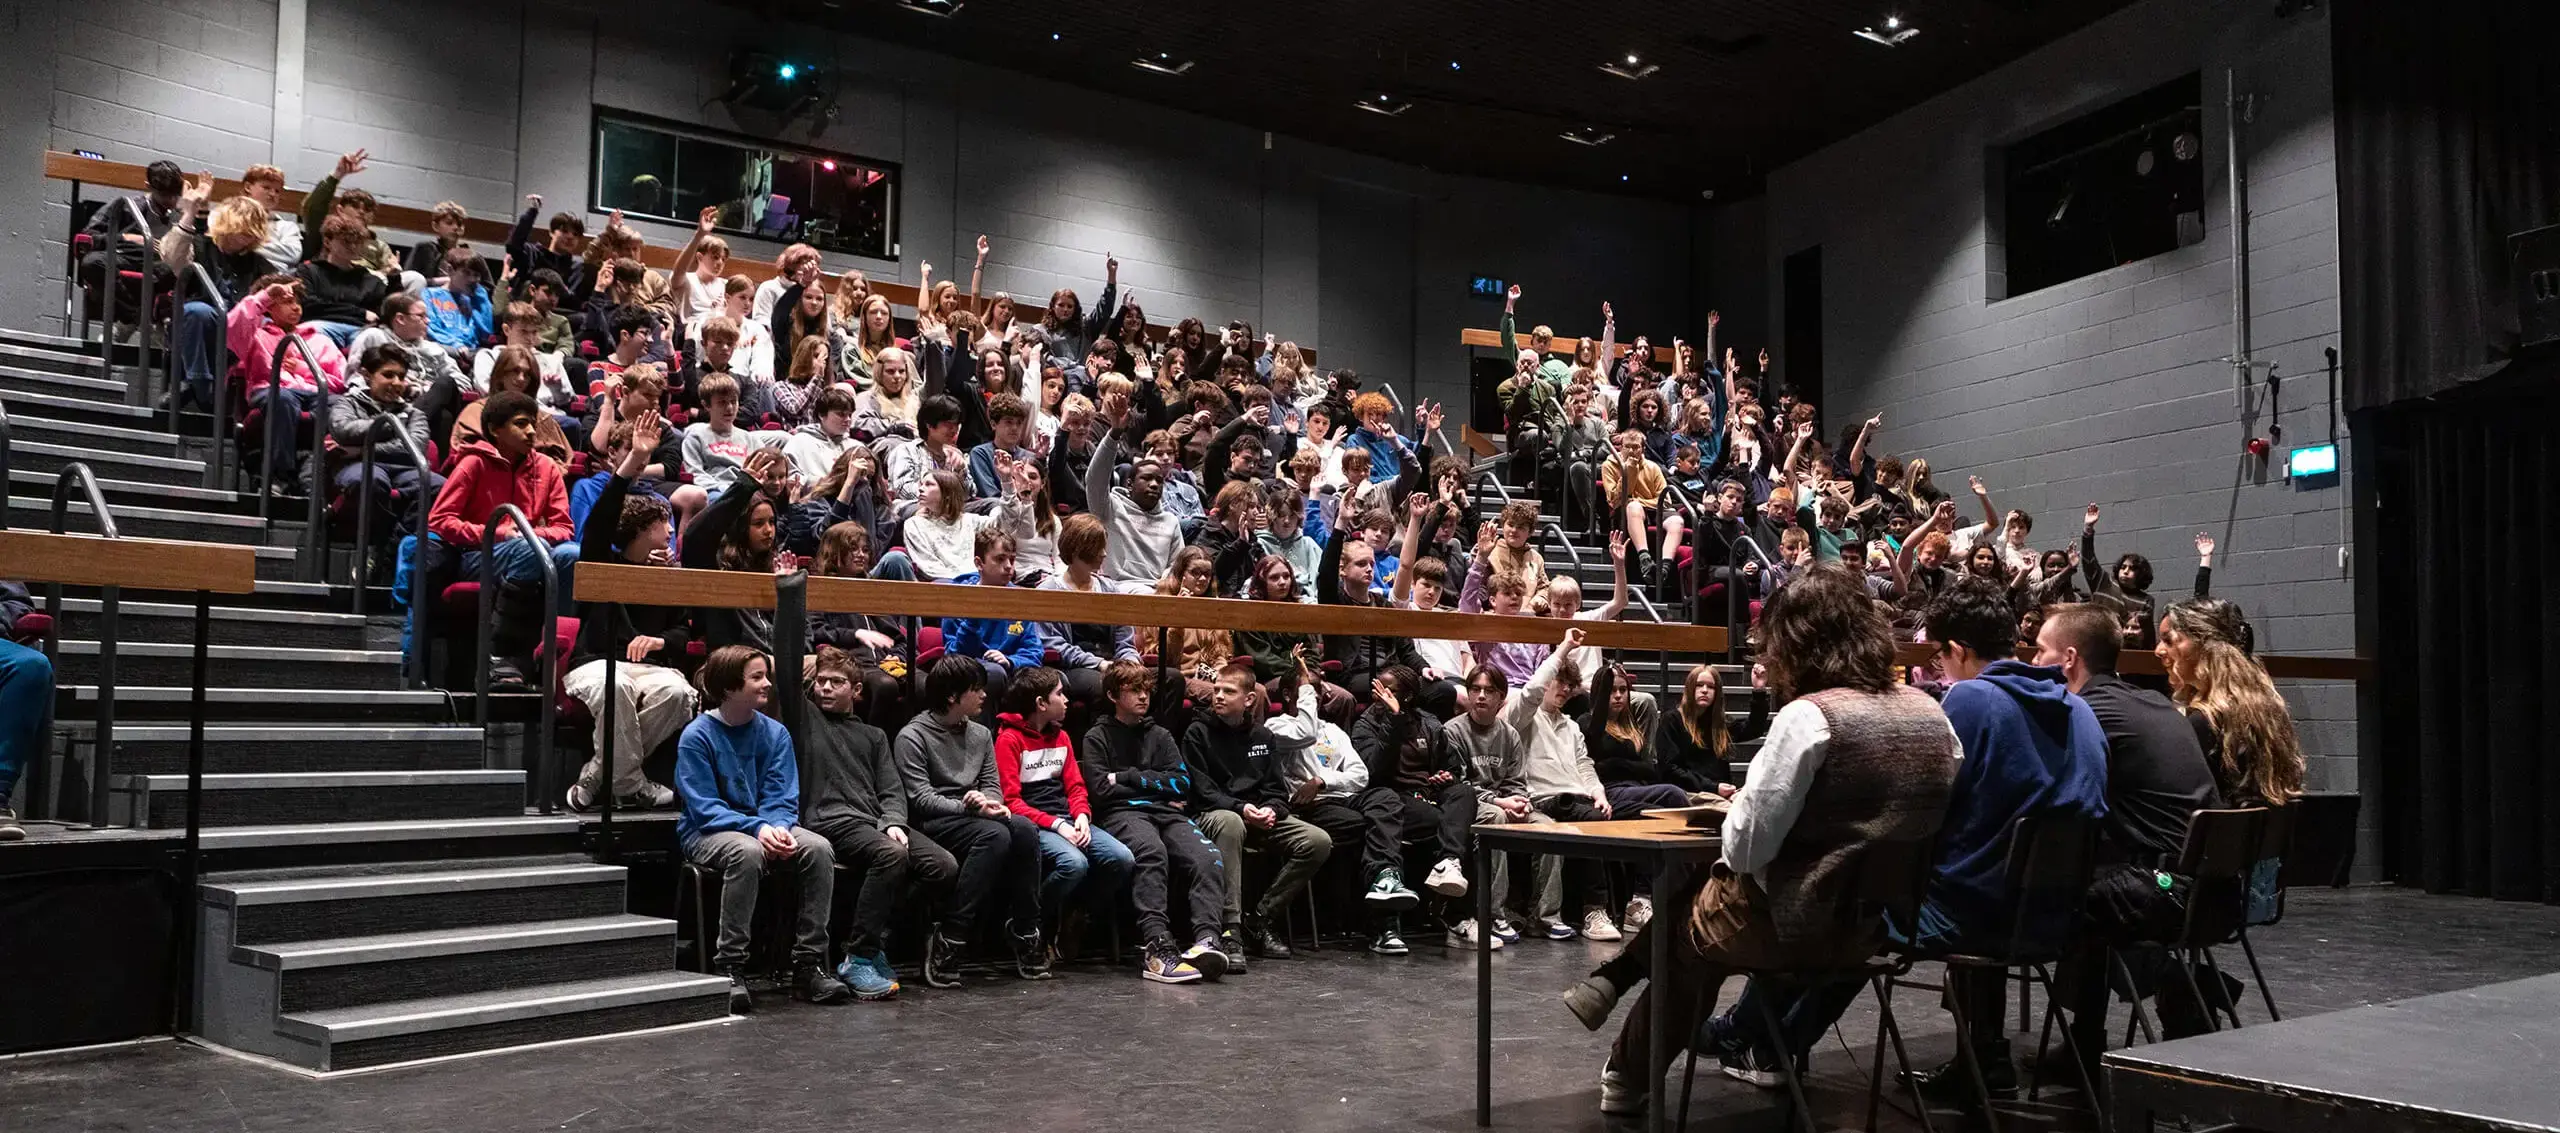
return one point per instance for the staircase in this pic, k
(375, 891)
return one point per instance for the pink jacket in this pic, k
(257, 345)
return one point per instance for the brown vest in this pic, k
(1884, 777)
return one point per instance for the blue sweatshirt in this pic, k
(1386, 453)
(743, 778)
(984, 484)
(2030, 747)
(972, 637)
(460, 323)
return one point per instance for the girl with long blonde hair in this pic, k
(2246, 728)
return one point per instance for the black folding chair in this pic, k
(2221, 849)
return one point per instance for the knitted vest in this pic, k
(1884, 777)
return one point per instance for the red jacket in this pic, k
(482, 480)
(1041, 782)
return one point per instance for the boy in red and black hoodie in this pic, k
(1037, 765)
(504, 469)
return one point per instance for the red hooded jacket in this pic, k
(482, 480)
(1039, 773)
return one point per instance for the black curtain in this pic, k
(2469, 632)
(2448, 127)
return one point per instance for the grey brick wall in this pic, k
(2109, 388)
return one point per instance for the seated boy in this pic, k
(815, 447)
(1005, 646)
(1488, 753)
(504, 469)
(522, 326)
(1145, 796)
(652, 699)
(1245, 799)
(1556, 767)
(947, 760)
(715, 448)
(856, 801)
(545, 290)
(404, 324)
(1036, 763)
(741, 787)
(398, 482)
(341, 295)
(1010, 419)
(458, 311)
(1329, 786)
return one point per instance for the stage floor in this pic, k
(1335, 1041)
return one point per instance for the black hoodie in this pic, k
(1403, 749)
(1234, 764)
(1134, 767)
(851, 775)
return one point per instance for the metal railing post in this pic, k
(540, 754)
(214, 470)
(109, 602)
(194, 860)
(314, 550)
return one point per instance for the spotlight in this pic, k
(1453, 65)
(1893, 23)
(1383, 103)
(1895, 33)
(1630, 67)
(2143, 163)
(1055, 37)
(943, 8)
(1622, 178)
(828, 164)
(1587, 136)
(787, 72)
(1162, 63)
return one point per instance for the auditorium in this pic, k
(1746, 566)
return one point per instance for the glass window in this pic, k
(765, 190)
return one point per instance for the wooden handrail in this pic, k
(1560, 344)
(667, 586)
(2145, 664)
(143, 564)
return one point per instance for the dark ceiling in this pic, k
(1743, 86)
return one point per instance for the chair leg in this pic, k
(2044, 1042)
(1964, 1049)
(1788, 1066)
(1875, 1075)
(2187, 971)
(2133, 995)
(2070, 1046)
(1689, 1075)
(1315, 927)
(1892, 1029)
(2259, 977)
(2230, 1006)
(2023, 987)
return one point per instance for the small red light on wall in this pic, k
(829, 165)
(2258, 447)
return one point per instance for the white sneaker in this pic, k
(1596, 926)
(656, 796)
(1447, 879)
(1463, 935)
(1555, 928)
(1639, 913)
(1620, 1095)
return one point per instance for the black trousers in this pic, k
(999, 867)
(1166, 844)
(1584, 880)
(1451, 810)
(1374, 818)
(886, 868)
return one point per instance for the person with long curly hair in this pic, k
(2242, 721)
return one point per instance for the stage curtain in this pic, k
(2448, 133)
(2470, 643)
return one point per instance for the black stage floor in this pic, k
(1337, 1041)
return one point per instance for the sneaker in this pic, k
(1463, 935)
(10, 831)
(1596, 926)
(1206, 957)
(942, 961)
(1232, 945)
(1030, 960)
(869, 975)
(1503, 933)
(1736, 1057)
(741, 1001)
(1387, 892)
(1639, 913)
(1948, 1084)
(1447, 879)
(1260, 940)
(1160, 965)
(581, 798)
(505, 675)
(1556, 929)
(1620, 1095)
(652, 796)
(811, 983)
(1591, 1001)
(1388, 942)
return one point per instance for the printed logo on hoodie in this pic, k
(1044, 764)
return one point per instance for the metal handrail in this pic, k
(109, 601)
(364, 516)
(1732, 591)
(109, 278)
(311, 555)
(548, 646)
(7, 486)
(217, 473)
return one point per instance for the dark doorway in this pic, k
(1800, 363)
(1485, 374)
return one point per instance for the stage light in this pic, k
(1385, 104)
(829, 165)
(1893, 23)
(1622, 178)
(1162, 63)
(1895, 33)
(1587, 136)
(1453, 65)
(943, 8)
(1631, 67)
(788, 72)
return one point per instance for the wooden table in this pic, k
(1663, 845)
(2477, 1059)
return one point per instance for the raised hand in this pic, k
(1115, 408)
(1573, 638)
(1764, 359)
(982, 246)
(198, 190)
(350, 164)
(2089, 518)
(1110, 266)
(1385, 694)
(1512, 295)
(1618, 547)
(1975, 482)
(1260, 415)
(1713, 318)
(1804, 432)
(707, 220)
(1945, 513)
(2204, 544)
(1874, 423)
(533, 200)
(1607, 315)
(1433, 413)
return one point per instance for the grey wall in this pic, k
(2109, 388)
(1365, 260)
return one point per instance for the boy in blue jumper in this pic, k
(1003, 645)
(740, 784)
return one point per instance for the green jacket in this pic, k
(1554, 369)
(315, 212)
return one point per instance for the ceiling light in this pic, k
(1622, 178)
(1055, 37)
(1896, 33)
(943, 8)
(1382, 103)
(1630, 67)
(1587, 136)
(1162, 64)
(1453, 65)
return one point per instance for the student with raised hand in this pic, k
(1556, 768)
(652, 698)
(1144, 532)
(1329, 785)
(740, 783)
(1234, 761)
(1146, 797)
(2128, 585)
(954, 796)
(1036, 763)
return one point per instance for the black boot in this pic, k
(1950, 1084)
(515, 632)
(1260, 940)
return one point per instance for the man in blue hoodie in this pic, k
(2031, 747)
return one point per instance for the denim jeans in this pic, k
(199, 326)
(284, 409)
(517, 562)
(1097, 871)
(26, 700)
(894, 567)
(339, 333)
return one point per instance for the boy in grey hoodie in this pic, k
(947, 761)
(856, 800)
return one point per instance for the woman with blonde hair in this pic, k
(2242, 721)
(859, 342)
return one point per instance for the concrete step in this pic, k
(36, 513)
(167, 495)
(87, 386)
(60, 355)
(146, 439)
(271, 798)
(352, 971)
(349, 843)
(413, 897)
(48, 459)
(144, 749)
(82, 404)
(242, 666)
(44, 341)
(235, 704)
(231, 625)
(382, 1034)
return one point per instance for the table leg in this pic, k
(1484, 983)
(1658, 962)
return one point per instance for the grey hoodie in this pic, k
(940, 762)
